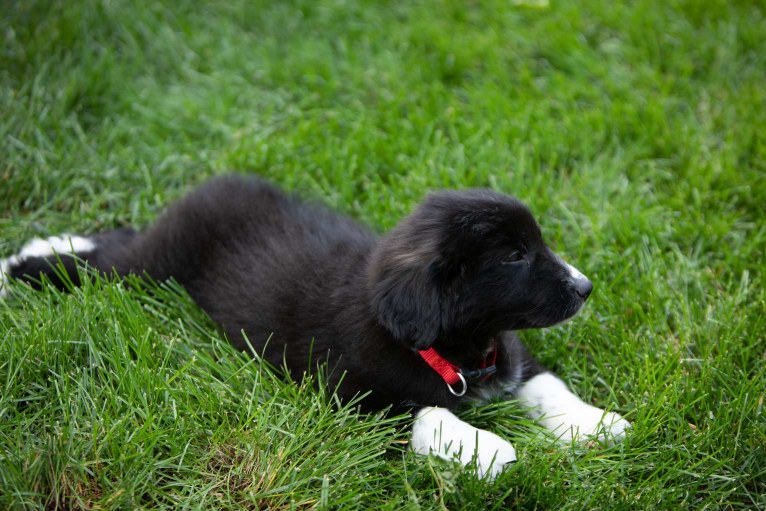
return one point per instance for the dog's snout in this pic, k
(582, 287)
(577, 282)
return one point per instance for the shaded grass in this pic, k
(633, 130)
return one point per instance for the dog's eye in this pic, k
(513, 257)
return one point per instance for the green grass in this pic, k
(635, 131)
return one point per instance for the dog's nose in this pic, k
(579, 283)
(582, 287)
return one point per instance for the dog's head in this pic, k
(471, 264)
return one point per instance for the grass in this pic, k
(635, 131)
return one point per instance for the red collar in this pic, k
(451, 374)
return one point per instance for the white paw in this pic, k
(440, 432)
(577, 423)
(64, 244)
(566, 415)
(38, 247)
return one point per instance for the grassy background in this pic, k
(635, 131)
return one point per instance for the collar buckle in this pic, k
(452, 374)
(465, 386)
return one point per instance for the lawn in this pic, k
(635, 131)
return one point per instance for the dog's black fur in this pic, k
(463, 271)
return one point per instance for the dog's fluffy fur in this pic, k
(461, 273)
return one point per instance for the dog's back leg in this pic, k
(172, 247)
(57, 257)
(184, 242)
(175, 246)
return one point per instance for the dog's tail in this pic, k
(57, 258)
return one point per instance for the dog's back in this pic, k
(269, 264)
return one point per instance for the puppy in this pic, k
(422, 318)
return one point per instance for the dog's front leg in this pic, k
(438, 431)
(566, 415)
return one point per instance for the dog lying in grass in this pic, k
(422, 318)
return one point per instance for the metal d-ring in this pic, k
(465, 386)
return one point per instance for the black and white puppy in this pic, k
(423, 318)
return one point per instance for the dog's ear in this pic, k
(408, 275)
(406, 301)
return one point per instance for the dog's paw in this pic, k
(38, 247)
(63, 244)
(581, 421)
(438, 431)
(566, 415)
